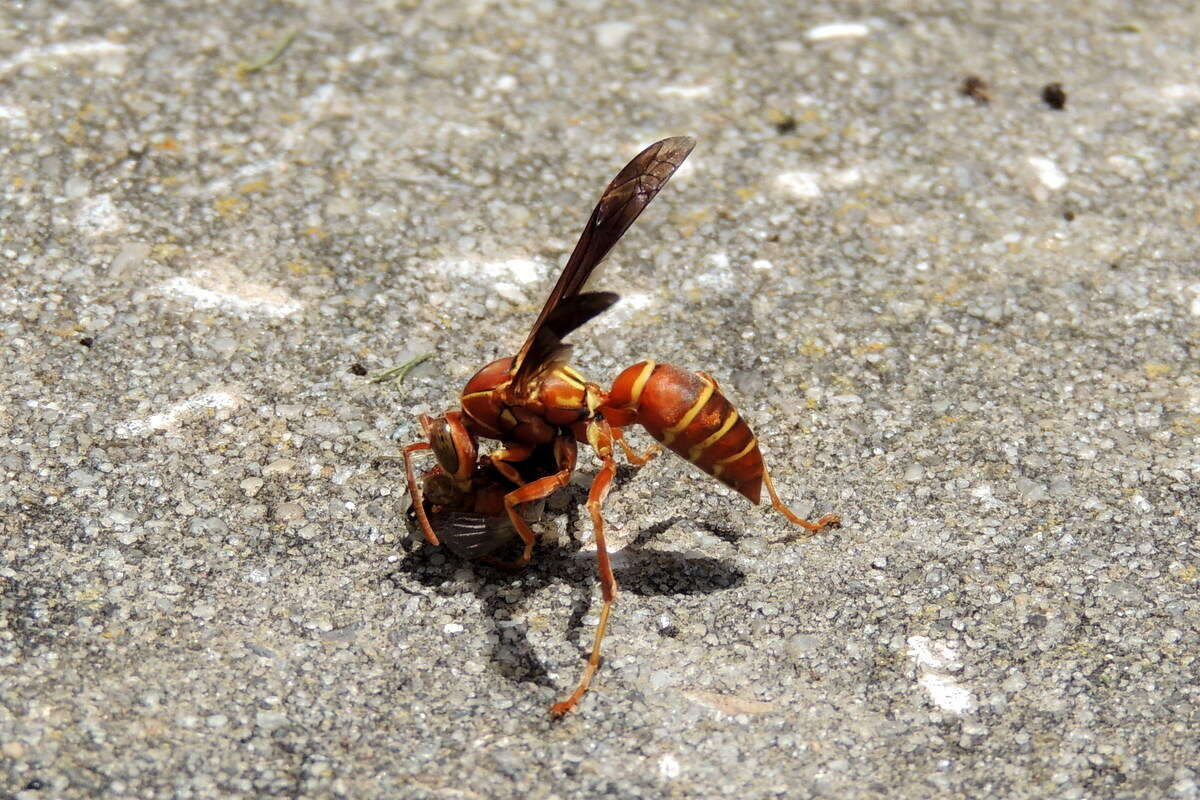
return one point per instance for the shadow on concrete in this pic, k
(640, 571)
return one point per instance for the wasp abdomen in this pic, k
(688, 414)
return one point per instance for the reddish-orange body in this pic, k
(687, 413)
(538, 409)
(556, 402)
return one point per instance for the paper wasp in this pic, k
(538, 408)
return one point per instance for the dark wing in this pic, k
(547, 348)
(470, 535)
(620, 204)
(473, 536)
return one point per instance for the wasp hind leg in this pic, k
(810, 528)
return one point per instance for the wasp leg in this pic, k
(633, 458)
(503, 459)
(811, 528)
(414, 491)
(600, 437)
(564, 454)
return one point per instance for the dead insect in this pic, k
(538, 407)
(976, 88)
(470, 516)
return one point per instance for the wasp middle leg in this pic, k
(631, 455)
(503, 459)
(600, 436)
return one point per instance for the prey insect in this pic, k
(538, 409)
(470, 516)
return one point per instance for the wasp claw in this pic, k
(828, 521)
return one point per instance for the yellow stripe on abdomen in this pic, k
(696, 451)
(670, 433)
(719, 466)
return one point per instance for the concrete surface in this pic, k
(969, 328)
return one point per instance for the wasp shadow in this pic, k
(505, 594)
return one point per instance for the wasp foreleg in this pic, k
(565, 453)
(414, 491)
(503, 459)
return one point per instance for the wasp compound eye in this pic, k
(442, 442)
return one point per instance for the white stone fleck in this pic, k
(1048, 172)
(14, 116)
(183, 410)
(313, 107)
(509, 292)
(716, 276)
(99, 216)
(204, 611)
(611, 35)
(518, 270)
(1030, 490)
(629, 306)
(719, 260)
(522, 269)
(364, 52)
(686, 92)
(762, 264)
(76, 187)
(668, 767)
(845, 178)
(130, 256)
(280, 466)
(837, 30)
(63, 51)
(1180, 93)
(936, 661)
(799, 184)
(239, 297)
(453, 627)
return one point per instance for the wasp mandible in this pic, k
(538, 407)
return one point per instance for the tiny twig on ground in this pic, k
(245, 68)
(398, 374)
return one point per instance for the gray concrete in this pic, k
(970, 329)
